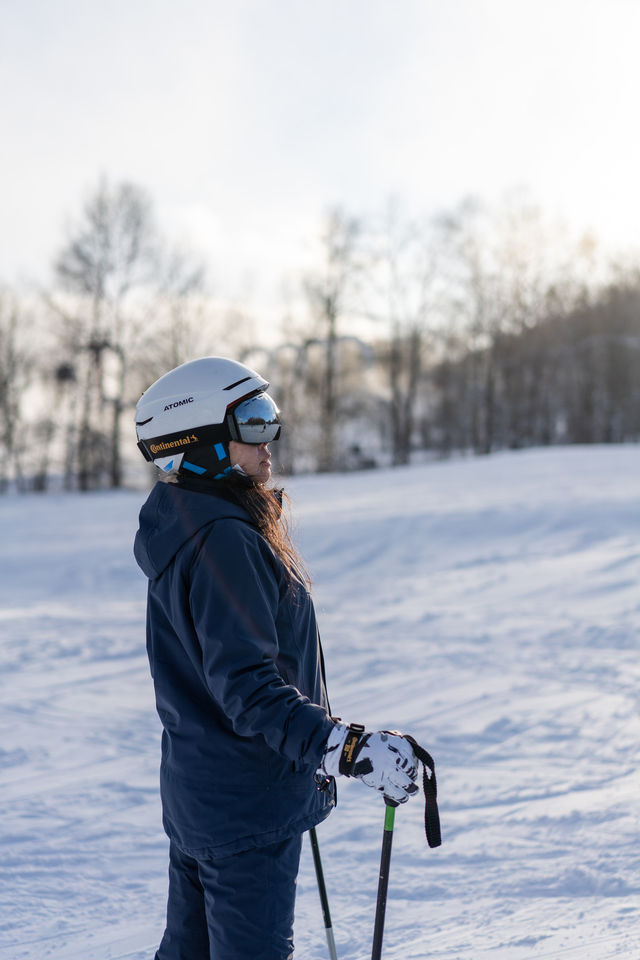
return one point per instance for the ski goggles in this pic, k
(256, 420)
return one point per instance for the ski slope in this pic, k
(488, 606)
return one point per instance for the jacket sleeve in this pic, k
(234, 598)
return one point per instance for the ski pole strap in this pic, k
(430, 787)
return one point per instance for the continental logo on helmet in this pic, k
(179, 403)
(181, 442)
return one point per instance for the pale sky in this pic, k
(246, 119)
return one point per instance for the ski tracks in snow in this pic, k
(489, 607)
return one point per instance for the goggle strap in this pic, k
(183, 440)
(232, 429)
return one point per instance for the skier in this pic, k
(249, 748)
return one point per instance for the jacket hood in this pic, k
(172, 515)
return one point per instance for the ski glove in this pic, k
(383, 760)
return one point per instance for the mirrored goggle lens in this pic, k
(257, 420)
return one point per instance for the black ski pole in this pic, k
(322, 890)
(383, 882)
(432, 830)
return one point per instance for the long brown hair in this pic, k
(268, 508)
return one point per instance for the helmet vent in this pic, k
(237, 383)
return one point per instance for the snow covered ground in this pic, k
(488, 606)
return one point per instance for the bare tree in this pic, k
(599, 343)
(328, 290)
(404, 292)
(176, 321)
(475, 307)
(108, 262)
(511, 271)
(16, 366)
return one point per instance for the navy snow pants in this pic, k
(235, 908)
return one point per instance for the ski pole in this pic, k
(432, 830)
(322, 890)
(383, 882)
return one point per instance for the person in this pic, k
(250, 751)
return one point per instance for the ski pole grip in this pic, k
(430, 787)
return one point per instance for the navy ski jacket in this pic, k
(236, 662)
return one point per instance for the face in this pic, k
(254, 458)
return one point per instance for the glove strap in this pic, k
(430, 787)
(351, 748)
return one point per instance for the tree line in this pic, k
(480, 329)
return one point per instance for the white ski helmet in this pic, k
(184, 421)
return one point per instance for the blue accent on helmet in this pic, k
(169, 466)
(220, 451)
(193, 467)
(225, 473)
